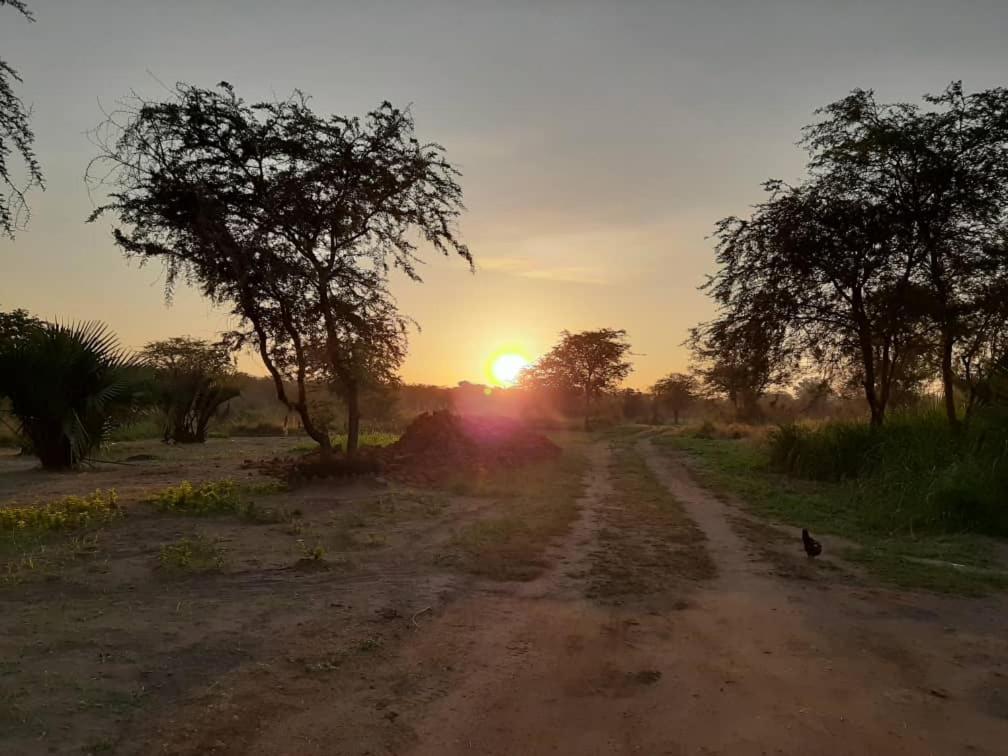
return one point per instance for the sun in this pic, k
(506, 368)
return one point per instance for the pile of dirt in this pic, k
(299, 469)
(438, 445)
(435, 446)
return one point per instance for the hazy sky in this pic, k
(599, 141)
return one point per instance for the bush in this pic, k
(69, 386)
(193, 380)
(261, 429)
(192, 555)
(68, 512)
(220, 497)
(913, 473)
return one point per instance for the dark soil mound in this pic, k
(435, 446)
(312, 465)
(439, 444)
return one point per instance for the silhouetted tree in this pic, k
(676, 392)
(824, 273)
(893, 245)
(193, 378)
(941, 173)
(281, 214)
(370, 345)
(588, 364)
(740, 358)
(17, 325)
(15, 136)
(635, 405)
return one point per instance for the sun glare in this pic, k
(507, 367)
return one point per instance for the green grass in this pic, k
(913, 474)
(222, 497)
(143, 429)
(532, 505)
(743, 468)
(370, 438)
(188, 555)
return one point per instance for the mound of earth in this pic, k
(435, 446)
(440, 444)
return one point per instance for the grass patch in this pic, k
(912, 474)
(534, 505)
(222, 497)
(189, 555)
(61, 514)
(647, 541)
(743, 468)
(371, 438)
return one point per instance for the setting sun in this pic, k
(506, 368)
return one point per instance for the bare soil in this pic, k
(660, 625)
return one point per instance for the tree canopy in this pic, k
(291, 219)
(675, 391)
(15, 136)
(891, 250)
(588, 363)
(192, 378)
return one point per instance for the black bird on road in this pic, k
(812, 547)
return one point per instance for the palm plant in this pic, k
(68, 387)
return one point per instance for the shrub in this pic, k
(261, 429)
(192, 555)
(68, 512)
(194, 378)
(220, 497)
(68, 387)
(913, 473)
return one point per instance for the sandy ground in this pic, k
(394, 655)
(750, 666)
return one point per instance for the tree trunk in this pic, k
(353, 420)
(948, 378)
(876, 406)
(675, 416)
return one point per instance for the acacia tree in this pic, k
(824, 276)
(282, 215)
(193, 378)
(15, 136)
(941, 172)
(891, 248)
(16, 327)
(676, 391)
(588, 363)
(740, 357)
(370, 345)
(369, 348)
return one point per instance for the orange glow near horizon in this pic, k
(504, 368)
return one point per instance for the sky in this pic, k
(599, 141)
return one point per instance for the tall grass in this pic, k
(913, 473)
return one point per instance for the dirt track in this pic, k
(751, 665)
(393, 654)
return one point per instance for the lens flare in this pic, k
(507, 367)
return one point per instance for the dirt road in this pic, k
(745, 664)
(662, 625)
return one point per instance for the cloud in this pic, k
(517, 266)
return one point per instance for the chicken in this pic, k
(812, 547)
